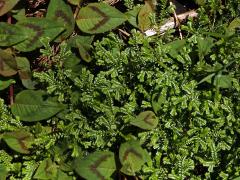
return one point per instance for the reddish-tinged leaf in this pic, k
(99, 18)
(8, 65)
(19, 141)
(61, 12)
(145, 120)
(98, 165)
(11, 34)
(132, 156)
(38, 28)
(144, 21)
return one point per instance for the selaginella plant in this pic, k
(104, 101)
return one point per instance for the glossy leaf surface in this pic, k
(98, 165)
(32, 106)
(19, 141)
(61, 12)
(99, 18)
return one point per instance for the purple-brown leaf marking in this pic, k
(39, 33)
(94, 166)
(22, 144)
(148, 118)
(24, 74)
(61, 14)
(133, 151)
(1, 64)
(102, 22)
(2, 3)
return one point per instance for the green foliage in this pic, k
(31, 106)
(119, 103)
(98, 18)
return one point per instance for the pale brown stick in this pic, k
(170, 23)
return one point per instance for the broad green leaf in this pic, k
(20, 14)
(204, 46)
(98, 165)
(46, 170)
(37, 28)
(99, 18)
(144, 21)
(8, 65)
(11, 34)
(132, 156)
(19, 141)
(7, 5)
(132, 16)
(222, 81)
(75, 2)
(6, 83)
(83, 43)
(31, 105)
(145, 120)
(62, 176)
(175, 47)
(234, 24)
(3, 172)
(61, 12)
(25, 73)
(237, 178)
(208, 78)
(158, 98)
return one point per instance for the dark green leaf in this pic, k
(83, 43)
(175, 47)
(132, 16)
(98, 165)
(145, 120)
(31, 106)
(11, 34)
(38, 28)
(8, 65)
(61, 12)
(158, 98)
(46, 170)
(19, 141)
(25, 73)
(7, 5)
(204, 46)
(132, 156)
(99, 18)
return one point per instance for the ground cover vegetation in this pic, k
(86, 93)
